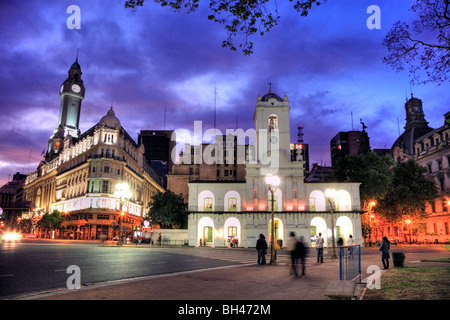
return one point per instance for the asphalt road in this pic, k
(33, 265)
(30, 266)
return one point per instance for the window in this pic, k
(208, 204)
(105, 186)
(232, 204)
(273, 123)
(232, 231)
(106, 169)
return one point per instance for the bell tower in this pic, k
(272, 124)
(71, 94)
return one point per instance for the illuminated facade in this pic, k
(224, 210)
(80, 171)
(430, 148)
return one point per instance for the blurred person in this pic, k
(302, 253)
(292, 247)
(261, 246)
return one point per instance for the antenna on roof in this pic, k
(165, 111)
(215, 99)
(78, 50)
(351, 113)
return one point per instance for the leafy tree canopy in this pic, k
(424, 46)
(51, 221)
(370, 169)
(168, 210)
(241, 17)
(409, 192)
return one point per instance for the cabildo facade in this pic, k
(226, 212)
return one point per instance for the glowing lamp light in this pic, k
(301, 208)
(273, 180)
(330, 193)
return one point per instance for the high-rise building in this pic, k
(349, 143)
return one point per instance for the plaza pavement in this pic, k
(238, 282)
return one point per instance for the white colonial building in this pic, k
(221, 211)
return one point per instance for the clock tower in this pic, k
(71, 94)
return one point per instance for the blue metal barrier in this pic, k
(350, 262)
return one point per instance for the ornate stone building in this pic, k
(430, 148)
(81, 170)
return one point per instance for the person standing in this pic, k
(350, 243)
(384, 248)
(319, 248)
(292, 247)
(261, 246)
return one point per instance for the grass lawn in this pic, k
(413, 283)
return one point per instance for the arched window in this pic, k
(232, 201)
(206, 201)
(317, 201)
(273, 123)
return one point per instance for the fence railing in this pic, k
(350, 262)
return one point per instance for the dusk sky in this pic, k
(329, 64)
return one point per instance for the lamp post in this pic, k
(371, 204)
(408, 222)
(122, 193)
(273, 182)
(331, 196)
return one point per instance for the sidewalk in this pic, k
(242, 282)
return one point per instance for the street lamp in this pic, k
(371, 205)
(122, 193)
(331, 196)
(273, 181)
(408, 222)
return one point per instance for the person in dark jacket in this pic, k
(384, 248)
(302, 252)
(261, 246)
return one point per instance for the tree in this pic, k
(240, 17)
(50, 221)
(425, 46)
(408, 195)
(370, 169)
(168, 209)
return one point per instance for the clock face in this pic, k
(273, 139)
(76, 88)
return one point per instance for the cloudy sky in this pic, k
(145, 62)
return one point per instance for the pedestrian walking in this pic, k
(292, 247)
(302, 252)
(385, 254)
(261, 246)
(319, 248)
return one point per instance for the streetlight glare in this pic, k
(122, 191)
(273, 180)
(330, 193)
